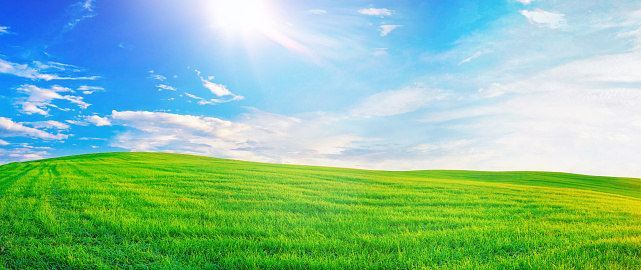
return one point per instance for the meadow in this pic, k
(170, 211)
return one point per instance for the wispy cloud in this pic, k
(580, 115)
(376, 11)
(165, 87)
(55, 66)
(13, 129)
(87, 90)
(396, 102)
(77, 122)
(25, 71)
(193, 96)
(598, 72)
(380, 51)
(39, 100)
(216, 89)
(88, 5)
(386, 29)
(50, 124)
(317, 11)
(476, 55)
(574, 129)
(126, 46)
(213, 101)
(4, 30)
(80, 12)
(525, 2)
(543, 18)
(635, 34)
(153, 75)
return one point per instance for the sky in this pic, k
(532, 85)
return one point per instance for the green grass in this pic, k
(168, 211)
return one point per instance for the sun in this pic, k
(250, 20)
(243, 16)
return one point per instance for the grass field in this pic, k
(169, 211)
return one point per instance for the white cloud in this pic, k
(618, 68)
(583, 116)
(317, 11)
(80, 11)
(599, 72)
(154, 76)
(476, 55)
(4, 30)
(154, 121)
(258, 136)
(13, 129)
(636, 34)
(376, 11)
(92, 139)
(23, 70)
(193, 96)
(78, 123)
(593, 132)
(202, 101)
(165, 131)
(495, 90)
(386, 29)
(126, 46)
(380, 51)
(166, 87)
(48, 124)
(525, 2)
(98, 121)
(442, 146)
(543, 18)
(216, 89)
(21, 154)
(54, 65)
(4, 143)
(396, 102)
(334, 145)
(215, 101)
(39, 99)
(157, 77)
(87, 90)
(88, 5)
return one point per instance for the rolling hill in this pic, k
(171, 211)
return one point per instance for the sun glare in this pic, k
(243, 15)
(249, 19)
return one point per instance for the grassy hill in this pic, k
(169, 211)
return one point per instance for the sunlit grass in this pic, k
(167, 211)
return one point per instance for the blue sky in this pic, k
(392, 85)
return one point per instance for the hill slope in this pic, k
(169, 211)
